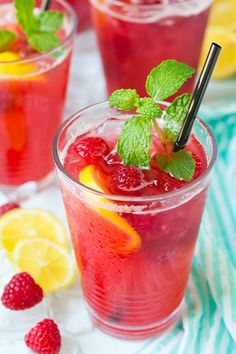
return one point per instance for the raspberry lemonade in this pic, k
(133, 205)
(34, 66)
(135, 35)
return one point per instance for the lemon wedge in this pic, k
(15, 68)
(20, 224)
(129, 240)
(51, 265)
(226, 65)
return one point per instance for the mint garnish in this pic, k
(6, 37)
(167, 78)
(148, 108)
(124, 99)
(135, 140)
(40, 30)
(50, 21)
(175, 115)
(179, 164)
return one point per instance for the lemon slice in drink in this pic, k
(15, 68)
(123, 238)
(226, 65)
(20, 224)
(50, 264)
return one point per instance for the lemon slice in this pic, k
(15, 68)
(129, 240)
(51, 265)
(226, 65)
(20, 224)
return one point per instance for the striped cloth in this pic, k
(208, 322)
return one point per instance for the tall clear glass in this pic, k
(132, 294)
(135, 36)
(32, 97)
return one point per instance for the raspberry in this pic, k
(8, 206)
(127, 179)
(44, 338)
(91, 148)
(21, 292)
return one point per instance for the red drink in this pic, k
(134, 239)
(133, 37)
(32, 97)
(82, 9)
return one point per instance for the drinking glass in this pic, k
(32, 97)
(135, 36)
(131, 294)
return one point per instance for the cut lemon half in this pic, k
(51, 265)
(226, 65)
(223, 13)
(15, 68)
(126, 239)
(20, 224)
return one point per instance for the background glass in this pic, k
(32, 97)
(134, 37)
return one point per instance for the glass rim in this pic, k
(151, 6)
(37, 56)
(191, 186)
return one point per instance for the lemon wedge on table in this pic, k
(50, 265)
(20, 224)
(128, 240)
(225, 37)
(15, 68)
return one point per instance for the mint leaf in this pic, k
(124, 99)
(148, 108)
(6, 37)
(43, 41)
(134, 142)
(25, 14)
(50, 21)
(180, 164)
(175, 115)
(167, 78)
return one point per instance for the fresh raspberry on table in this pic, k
(127, 179)
(21, 292)
(91, 148)
(44, 338)
(7, 207)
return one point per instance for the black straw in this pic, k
(197, 98)
(45, 5)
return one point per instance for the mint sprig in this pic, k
(135, 140)
(166, 79)
(124, 99)
(40, 30)
(6, 37)
(175, 115)
(180, 164)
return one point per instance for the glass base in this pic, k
(27, 190)
(134, 332)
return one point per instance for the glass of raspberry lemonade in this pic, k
(32, 95)
(133, 229)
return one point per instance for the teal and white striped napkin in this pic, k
(208, 321)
